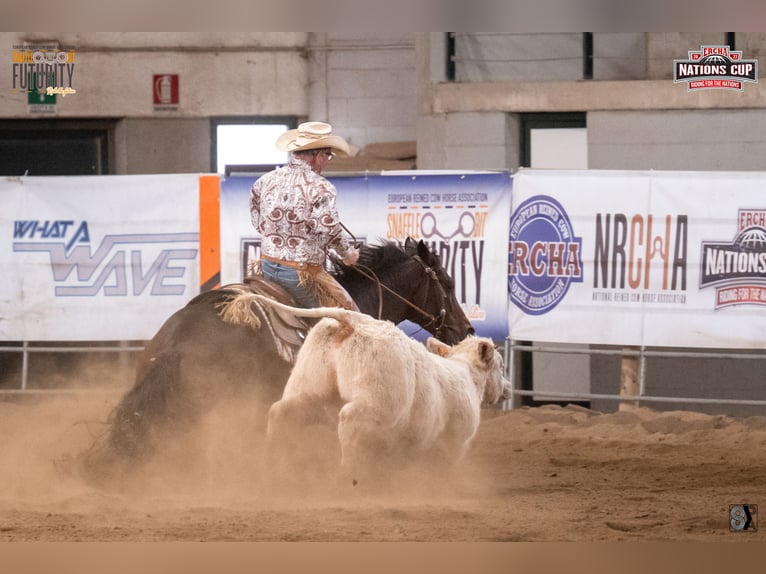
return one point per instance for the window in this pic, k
(247, 143)
(554, 140)
(55, 147)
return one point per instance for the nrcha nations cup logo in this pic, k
(715, 67)
(544, 255)
(737, 269)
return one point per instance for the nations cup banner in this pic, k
(96, 257)
(638, 258)
(462, 217)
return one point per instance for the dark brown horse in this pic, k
(197, 358)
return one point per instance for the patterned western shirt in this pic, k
(293, 208)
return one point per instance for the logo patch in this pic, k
(120, 265)
(715, 67)
(743, 517)
(544, 255)
(737, 269)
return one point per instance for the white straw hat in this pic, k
(312, 135)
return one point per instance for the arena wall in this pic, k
(393, 87)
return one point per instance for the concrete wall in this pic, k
(470, 140)
(494, 57)
(219, 74)
(677, 139)
(150, 145)
(363, 84)
(637, 117)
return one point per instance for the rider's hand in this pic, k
(351, 256)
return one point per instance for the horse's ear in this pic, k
(424, 252)
(409, 244)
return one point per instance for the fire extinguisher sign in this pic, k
(165, 91)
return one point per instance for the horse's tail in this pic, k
(150, 406)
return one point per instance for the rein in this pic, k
(370, 274)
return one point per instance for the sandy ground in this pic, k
(544, 474)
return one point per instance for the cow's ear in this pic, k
(486, 352)
(437, 347)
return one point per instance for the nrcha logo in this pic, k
(544, 255)
(715, 67)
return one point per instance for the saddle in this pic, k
(285, 326)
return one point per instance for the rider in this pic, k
(293, 208)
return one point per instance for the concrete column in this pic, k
(629, 380)
(317, 77)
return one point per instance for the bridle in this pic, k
(431, 274)
(370, 274)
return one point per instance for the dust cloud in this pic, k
(222, 462)
(542, 474)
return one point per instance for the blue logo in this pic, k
(544, 255)
(121, 265)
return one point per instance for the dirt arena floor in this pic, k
(545, 474)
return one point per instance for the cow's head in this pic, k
(481, 355)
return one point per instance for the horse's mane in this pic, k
(383, 256)
(383, 259)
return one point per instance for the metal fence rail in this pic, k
(642, 398)
(26, 349)
(641, 353)
(510, 349)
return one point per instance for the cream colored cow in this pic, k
(394, 397)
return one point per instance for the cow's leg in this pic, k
(366, 439)
(287, 421)
(301, 437)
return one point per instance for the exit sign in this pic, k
(39, 100)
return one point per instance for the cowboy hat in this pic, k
(312, 135)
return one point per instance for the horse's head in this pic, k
(396, 284)
(438, 310)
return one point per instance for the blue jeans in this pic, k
(287, 277)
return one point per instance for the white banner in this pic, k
(463, 217)
(96, 257)
(592, 257)
(639, 258)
